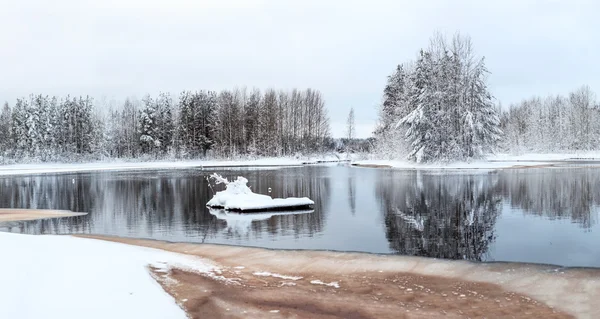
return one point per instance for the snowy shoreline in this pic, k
(496, 162)
(25, 169)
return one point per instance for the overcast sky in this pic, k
(343, 48)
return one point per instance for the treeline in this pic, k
(554, 123)
(438, 108)
(229, 123)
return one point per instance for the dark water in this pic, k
(537, 215)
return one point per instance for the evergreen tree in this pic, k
(149, 139)
(6, 146)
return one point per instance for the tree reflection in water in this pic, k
(442, 216)
(156, 204)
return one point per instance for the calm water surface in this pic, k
(536, 215)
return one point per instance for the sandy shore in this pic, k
(312, 284)
(9, 214)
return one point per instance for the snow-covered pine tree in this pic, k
(393, 96)
(148, 133)
(165, 125)
(481, 121)
(6, 146)
(251, 121)
(18, 128)
(84, 125)
(207, 116)
(419, 123)
(33, 131)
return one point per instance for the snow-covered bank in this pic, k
(24, 169)
(574, 291)
(536, 157)
(485, 166)
(67, 277)
(494, 162)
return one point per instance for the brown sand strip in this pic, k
(12, 214)
(371, 286)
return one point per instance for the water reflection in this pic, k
(242, 224)
(455, 216)
(442, 216)
(555, 193)
(153, 204)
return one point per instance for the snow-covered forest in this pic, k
(553, 124)
(439, 108)
(229, 123)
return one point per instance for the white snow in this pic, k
(590, 155)
(238, 196)
(67, 277)
(22, 169)
(268, 274)
(475, 165)
(493, 162)
(333, 284)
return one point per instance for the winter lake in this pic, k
(544, 215)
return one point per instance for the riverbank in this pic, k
(312, 284)
(71, 274)
(27, 169)
(495, 162)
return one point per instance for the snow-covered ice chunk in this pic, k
(238, 196)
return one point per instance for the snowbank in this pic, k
(67, 277)
(494, 162)
(23, 169)
(238, 196)
(475, 165)
(588, 155)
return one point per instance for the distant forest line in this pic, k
(225, 124)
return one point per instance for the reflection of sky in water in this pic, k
(542, 216)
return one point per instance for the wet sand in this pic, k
(10, 214)
(265, 283)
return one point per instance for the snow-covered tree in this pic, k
(5, 127)
(149, 139)
(164, 126)
(441, 107)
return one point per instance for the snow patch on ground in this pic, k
(68, 277)
(268, 274)
(333, 284)
(238, 196)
